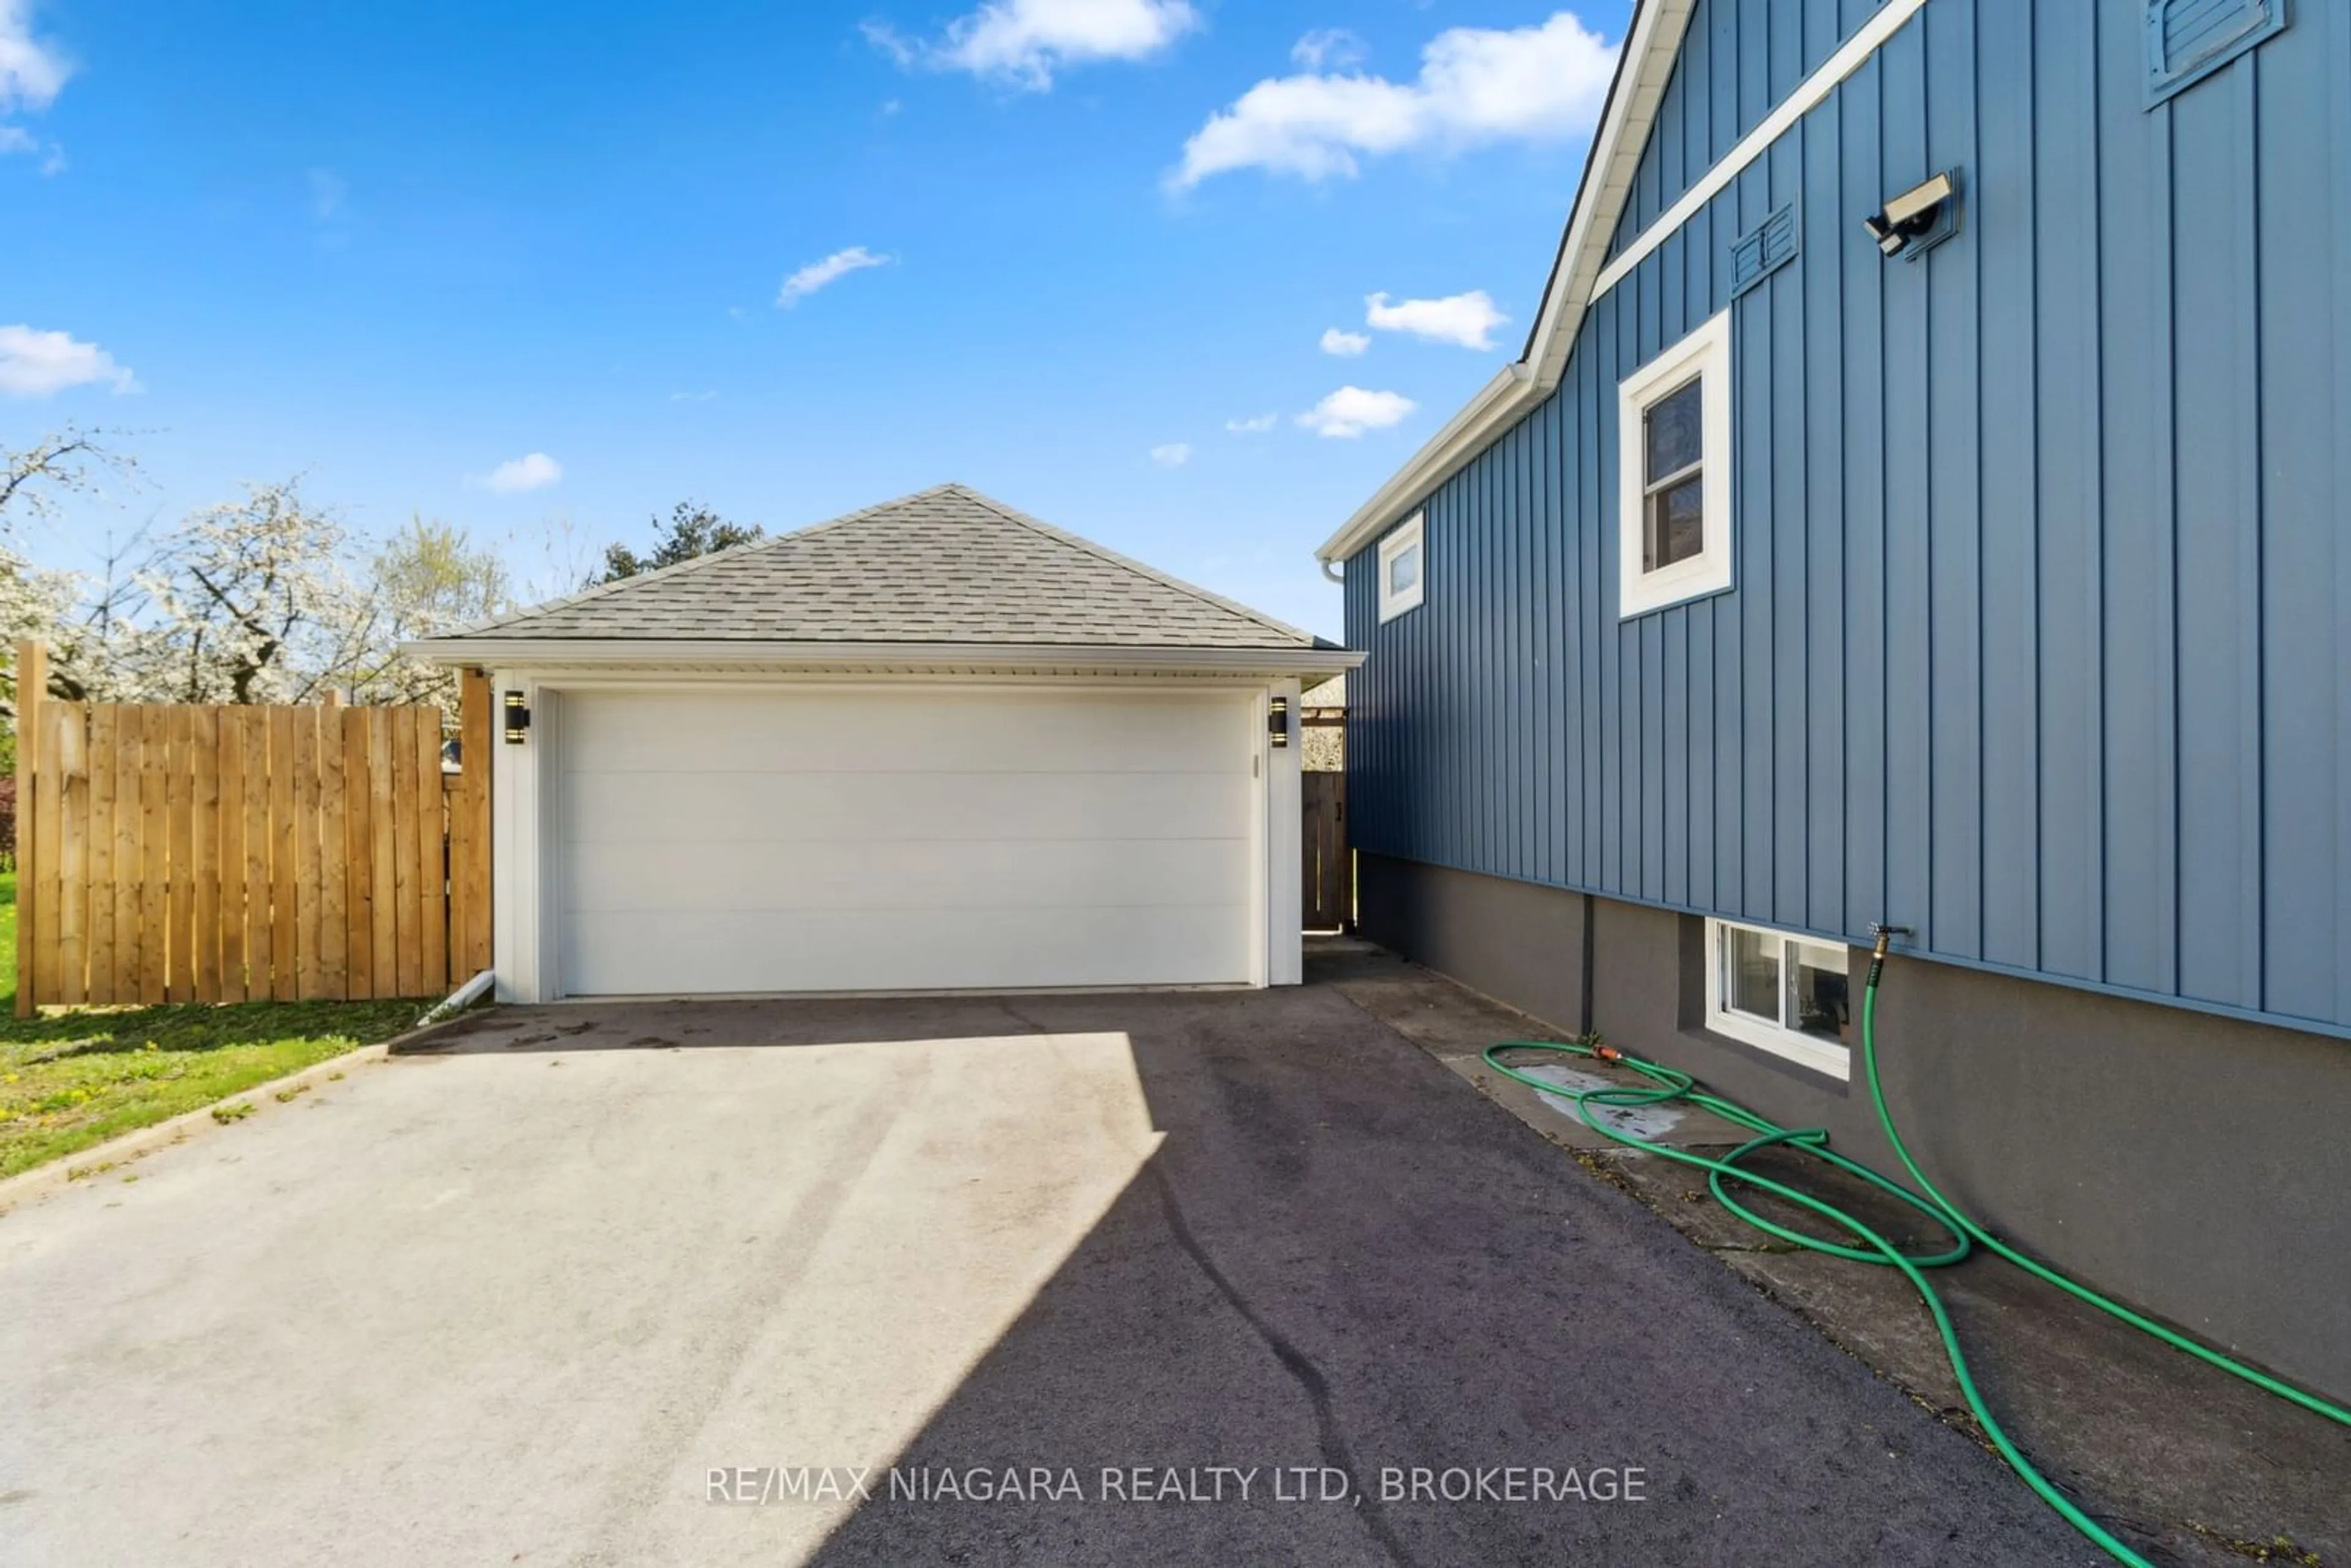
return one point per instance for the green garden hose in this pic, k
(1674, 1086)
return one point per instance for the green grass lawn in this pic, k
(70, 1080)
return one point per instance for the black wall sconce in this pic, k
(1277, 721)
(517, 718)
(1917, 220)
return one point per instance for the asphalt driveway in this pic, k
(1170, 1279)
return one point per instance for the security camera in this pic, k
(1918, 218)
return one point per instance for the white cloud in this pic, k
(1476, 85)
(1257, 424)
(36, 364)
(817, 274)
(1346, 345)
(1469, 320)
(1329, 49)
(1351, 410)
(15, 139)
(893, 43)
(692, 396)
(327, 193)
(534, 472)
(32, 71)
(1175, 455)
(1024, 42)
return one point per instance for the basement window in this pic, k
(1403, 568)
(1785, 994)
(1674, 467)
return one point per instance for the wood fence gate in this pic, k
(1329, 875)
(222, 854)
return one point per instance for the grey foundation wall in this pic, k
(2196, 1168)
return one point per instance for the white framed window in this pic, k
(1673, 462)
(1403, 568)
(1789, 995)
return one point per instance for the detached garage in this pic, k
(933, 744)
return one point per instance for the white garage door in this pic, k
(835, 840)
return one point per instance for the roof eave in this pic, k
(1652, 43)
(652, 654)
(1513, 390)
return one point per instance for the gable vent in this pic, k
(1762, 250)
(2188, 40)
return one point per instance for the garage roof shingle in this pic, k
(944, 566)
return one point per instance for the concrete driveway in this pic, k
(1207, 1277)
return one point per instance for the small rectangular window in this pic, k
(1675, 441)
(1784, 994)
(1403, 570)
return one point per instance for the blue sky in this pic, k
(509, 264)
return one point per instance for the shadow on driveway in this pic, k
(1341, 1265)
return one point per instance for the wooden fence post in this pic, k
(32, 685)
(154, 858)
(179, 851)
(285, 865)
(469, 832)
(234, 772)
(384, 899)
(103, 778)
(65, 766)
(203, 854)
(432, 857)
(358, 856)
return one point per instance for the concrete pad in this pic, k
(513, 1307)
(1456, 1025)
(2188, 1464)
(517, 1298)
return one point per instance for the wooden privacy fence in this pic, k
(222, 854)
(1327, 877)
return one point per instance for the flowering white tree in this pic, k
(68, 462)
(60, 608)
(428, 581)
(269, 599)
(33, 603)
(253, 602)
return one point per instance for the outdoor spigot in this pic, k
(1885, 934)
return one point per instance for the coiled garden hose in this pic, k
(1672, 1086)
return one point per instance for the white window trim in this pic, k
(1705, 352)
(1793, 1045)
(1402, 537)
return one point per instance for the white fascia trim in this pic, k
(1855, 53)
(1496, 407)
(590, 652)
(1644, 69)
(1583, 272)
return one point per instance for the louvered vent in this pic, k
(2188, 40)
(1762, 250)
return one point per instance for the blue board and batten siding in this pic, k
(2039, 632)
